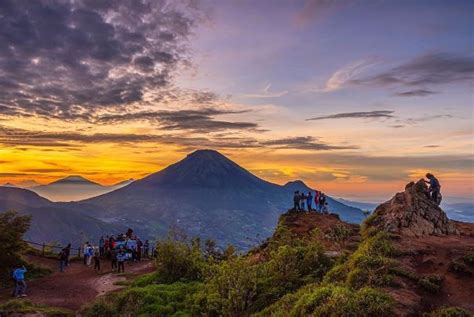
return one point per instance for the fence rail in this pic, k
(43, 247)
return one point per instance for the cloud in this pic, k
(342, 76)
(72, 59)
(427, 118)
(266, 93)
(303, 143)
(21, 137)
(424, 70)
(201, 120)
(362, 114)
(415, 93)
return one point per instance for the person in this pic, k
(62, 259)
(434, 188)
(113, 259)
(309, 201)
(146, 249)
(97, 260)
(325, 209)
(90, 254)
(121, 256)
(139, 249)
(101, 246)
(106, 247)
(67, 251)
(302, 200)
(129, 233)
(316, 201)
(84, 250)
(322, 203)
(20, 284)
(296, 201)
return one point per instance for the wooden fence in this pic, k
(43, 247)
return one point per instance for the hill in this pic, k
(74, 188)
(206, 195)
(52, 221)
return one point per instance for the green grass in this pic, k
(20, 306)
(449, 312)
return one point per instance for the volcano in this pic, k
(207, 195)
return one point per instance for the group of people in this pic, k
(118, 249)
(319, 199)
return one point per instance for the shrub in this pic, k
(179, 261)
(449, 312)
(431, 284)
(332, 300)
(12, 229)
(17, 306)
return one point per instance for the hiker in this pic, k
(316, 201)
(62, 260)
(90, 254)
(129, 233)
(139, 249)
(322, 203)
(296, 201)
(20, 284)
(97, 260)
(434, 188)
(146, 249)
(113, 259)
(302, 200)
(121, 257)
(67, 251)
(84, 250)
(106, 247)
(101, 246)
(309, 201)
(325, 209)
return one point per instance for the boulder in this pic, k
(412, 213)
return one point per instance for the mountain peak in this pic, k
(74, 179)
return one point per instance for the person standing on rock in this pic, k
(434, 189)
(296, 201)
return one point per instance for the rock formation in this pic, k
(412, 213)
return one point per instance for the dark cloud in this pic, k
(433, 146)
(22, 138)
(303, 143)
(72, 59)
(435, 68)
(363, 114)
(415, 93)
(196, 120)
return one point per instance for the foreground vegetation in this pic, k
(294, 278)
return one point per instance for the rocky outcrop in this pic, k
(412, 213)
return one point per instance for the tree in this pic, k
(12, 229)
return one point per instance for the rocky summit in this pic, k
(412, 213)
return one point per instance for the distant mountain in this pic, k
(205, 194)
(357, 204)
(8, 185)
(74, 188)
(53, 221)
(28, 183)
(459, 211)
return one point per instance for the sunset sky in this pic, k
(353, 97)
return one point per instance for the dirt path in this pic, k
(79, 285)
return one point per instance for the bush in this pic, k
(230, 291)
(17, 306)
(431, 284)
(179, 261)
(449, 312)
(12, 229)
(151, 300)
(332, 300)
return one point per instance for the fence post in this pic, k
(42, 252)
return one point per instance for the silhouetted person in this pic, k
(434, 189)
(67, 251)
(113, 259)
(146, 249)
(322, 203)
(62, 260)
(97, 260)
(296, 201)
(101, 246)
(302, 200)
(121, 256)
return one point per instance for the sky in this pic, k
(356, 98)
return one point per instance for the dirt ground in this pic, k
(79, 285)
